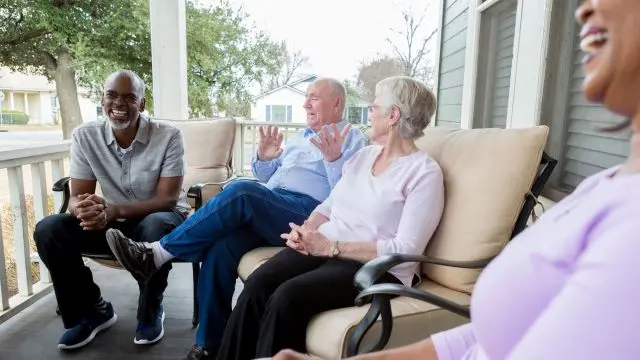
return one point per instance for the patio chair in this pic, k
(208, 152)
(492, 180)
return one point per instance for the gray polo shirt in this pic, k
(132, 176)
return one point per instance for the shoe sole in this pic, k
(149, 342)
(113, 240)
(109, 323)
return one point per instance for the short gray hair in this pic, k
(412, 97)
(138, 84)
(337, 88)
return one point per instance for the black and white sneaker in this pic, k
(133, 256)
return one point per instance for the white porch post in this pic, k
(26, 103)
(169, 59)
(12, 103)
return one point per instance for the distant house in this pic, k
(284, 104)
(35, 96)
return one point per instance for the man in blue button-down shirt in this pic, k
(294, 179)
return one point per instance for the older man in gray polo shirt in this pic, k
(139, 165)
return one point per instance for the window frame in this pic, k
(474, 52)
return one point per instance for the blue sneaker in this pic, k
(147, 334)
(82, 334)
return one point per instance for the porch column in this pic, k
(169, 59)
(12, 104)
(26, 103)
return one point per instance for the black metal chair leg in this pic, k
(196, 305)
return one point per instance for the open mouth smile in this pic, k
(592, 40)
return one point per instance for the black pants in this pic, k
(60, 241)
(280, 298)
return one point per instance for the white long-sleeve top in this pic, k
(398, 209)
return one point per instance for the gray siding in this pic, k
(452, 53)
(588, 150)
(501, 72)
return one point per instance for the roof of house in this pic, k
(290, 86)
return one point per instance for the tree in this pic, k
(371, 72)
(352, 93)
(79, 42)
(411, 48)
(292, 62)
(45, 37)
(226, 55)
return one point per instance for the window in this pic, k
(574, 139)
(356, 115)
(54, 101)
(279, 113)
(494, 63)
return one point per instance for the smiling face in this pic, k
(610, 37)
(121, 102)
(322, 105)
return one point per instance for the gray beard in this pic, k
(118, 126)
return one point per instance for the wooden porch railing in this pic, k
(247, 138)
(14, 163)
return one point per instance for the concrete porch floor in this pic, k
(34, 333)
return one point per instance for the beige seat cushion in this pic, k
(487, 173)
(414, 320)
(254, 258)
(208, 146)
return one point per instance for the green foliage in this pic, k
(12, 117)
(352, 92)
(226, 55)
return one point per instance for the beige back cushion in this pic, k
(208, 149)
(487, 173)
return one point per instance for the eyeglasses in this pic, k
(371, 107)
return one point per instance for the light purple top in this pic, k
(398, 209)
(567, 288)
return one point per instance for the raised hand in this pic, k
(270, 143)
(330, 143)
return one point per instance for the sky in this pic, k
(335, 34)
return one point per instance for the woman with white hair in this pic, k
(372, 211)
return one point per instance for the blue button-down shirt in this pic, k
(302, 168)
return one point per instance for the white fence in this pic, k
(37, 162)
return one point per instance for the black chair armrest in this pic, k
(376, 268)
(195, 191)
(62, 185)
(402, 290)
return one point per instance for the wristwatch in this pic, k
(335, 250)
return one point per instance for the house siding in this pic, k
(451, 76)
(588, 150)
(502, 74)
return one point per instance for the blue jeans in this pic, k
(244, 216)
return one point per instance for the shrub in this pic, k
(14, 117)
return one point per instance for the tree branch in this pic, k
(29, 35)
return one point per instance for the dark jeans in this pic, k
(244, 216)
(60, 241)
(280, 298)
